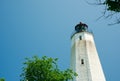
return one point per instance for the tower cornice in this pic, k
(88, 32)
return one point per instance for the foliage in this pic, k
(44, 69)
(111, 11)
(2, 79)
(113, 5)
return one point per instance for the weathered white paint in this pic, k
(85, 49)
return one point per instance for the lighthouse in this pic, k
(84, 57)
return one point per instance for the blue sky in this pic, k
(44, 27)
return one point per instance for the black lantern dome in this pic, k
(81, 27)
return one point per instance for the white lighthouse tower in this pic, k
(84, 57)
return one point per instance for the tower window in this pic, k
(82, 61)
(80, 37)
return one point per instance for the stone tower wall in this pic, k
(84, 58)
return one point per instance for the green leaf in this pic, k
(44, 69)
